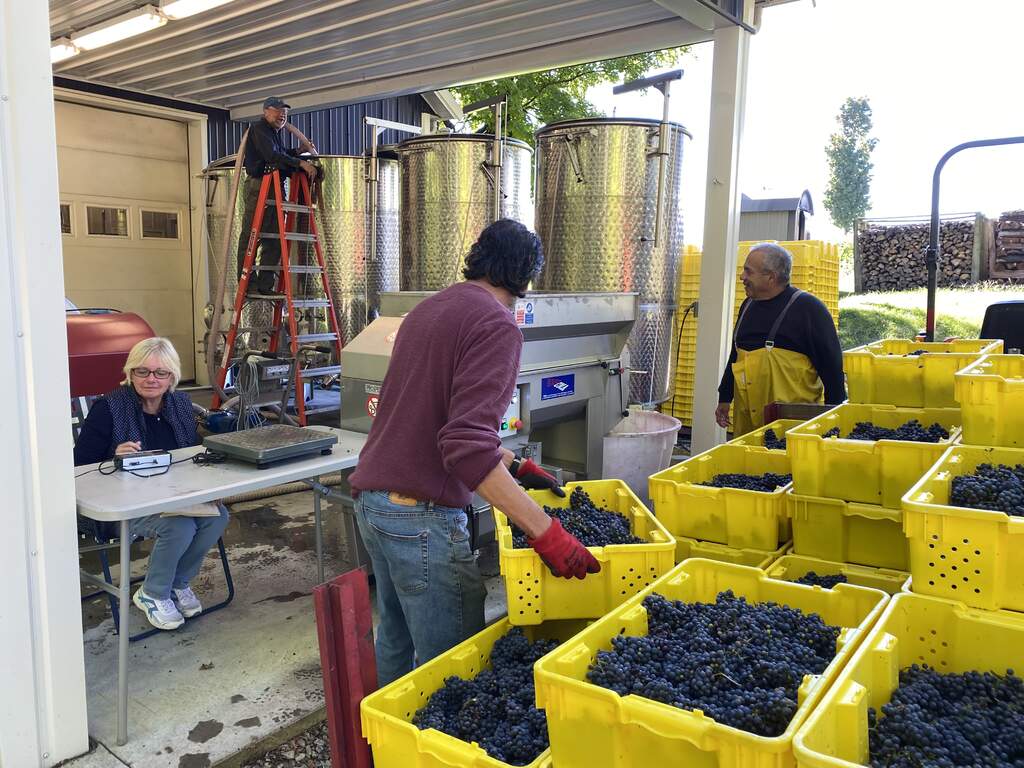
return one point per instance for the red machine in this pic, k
(98, 345)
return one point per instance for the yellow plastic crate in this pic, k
(882, 372)
(848, 532)
(535, 594)
(755, 439)
(991, 395)
(387, 714)
(738, 518)
(793, 567)
(877, 472)
(593, 726)
(957, 553)
(913, 629)
(709, 550)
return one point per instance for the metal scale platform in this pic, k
(268, 445)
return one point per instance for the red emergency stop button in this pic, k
(516, 423)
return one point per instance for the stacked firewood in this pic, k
(892, 257)
(1009, 256)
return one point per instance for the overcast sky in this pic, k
(937, 72)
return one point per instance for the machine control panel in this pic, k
(511, 422)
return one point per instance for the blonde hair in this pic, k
(162, 348)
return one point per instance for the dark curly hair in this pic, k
(507, 255)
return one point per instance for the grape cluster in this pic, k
(950, 720)
(594, 526)
(766, 483)
(739, 663)
(912, 431)
(995, 488)
(496, 708)
(824, 580)
(772, 442)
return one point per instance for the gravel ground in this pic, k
(310, 749)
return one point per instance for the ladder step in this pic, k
(307, 303)
(292, 207)
(296, 269)
(324, 370)
(304, 237)
(302, 338)
(323, 409)
(264, 296)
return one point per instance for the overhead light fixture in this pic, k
(62, 48)
(119, 28)
(182, 9)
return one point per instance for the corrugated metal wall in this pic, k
(335, 131)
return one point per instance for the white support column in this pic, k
(721, 230)
(42, 686)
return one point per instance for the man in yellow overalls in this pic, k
(785, 346)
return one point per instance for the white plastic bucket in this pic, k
(637, 447)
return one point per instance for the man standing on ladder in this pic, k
(265, 151)
(785, 346)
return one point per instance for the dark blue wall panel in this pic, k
(335, 131)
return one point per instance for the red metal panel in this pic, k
(98, 346)
(344, 625)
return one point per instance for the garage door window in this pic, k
(65, 218)
(112, 222)
(160, 224)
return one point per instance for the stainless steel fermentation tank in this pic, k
(356, 272)
(448, 197)
(610, 217)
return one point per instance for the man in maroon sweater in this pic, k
(434, 442)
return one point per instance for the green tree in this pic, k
(849, 164)
(538, 98)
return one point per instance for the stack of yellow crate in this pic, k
(815, 269)
(961, 609)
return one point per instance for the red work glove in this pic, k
(532, 477)
(563, 553)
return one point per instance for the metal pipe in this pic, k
(496, 156)
(663, 149)
(932, 253)
(124, 600)
(371, 208)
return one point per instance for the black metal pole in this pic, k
(932, 254)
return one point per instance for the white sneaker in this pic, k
(187, 601)
(162, 614)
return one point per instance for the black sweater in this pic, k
(807, 328)
(265, 148)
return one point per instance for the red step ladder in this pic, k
(299, 202)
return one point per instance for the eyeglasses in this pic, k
(143, 373)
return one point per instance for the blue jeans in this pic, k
(430, 594)
(180, 545)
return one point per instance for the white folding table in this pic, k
(122, 497)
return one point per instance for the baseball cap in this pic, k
(276, 102)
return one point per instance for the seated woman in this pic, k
(144, 414)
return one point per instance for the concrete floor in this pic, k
(216, 686)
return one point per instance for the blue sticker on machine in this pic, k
(557, 386)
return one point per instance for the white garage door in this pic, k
(124, 189)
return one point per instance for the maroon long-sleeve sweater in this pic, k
(451, 376)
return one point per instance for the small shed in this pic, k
(776, 218)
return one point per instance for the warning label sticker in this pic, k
(524, 312)
(371, 405)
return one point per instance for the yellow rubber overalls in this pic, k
(770, 375)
